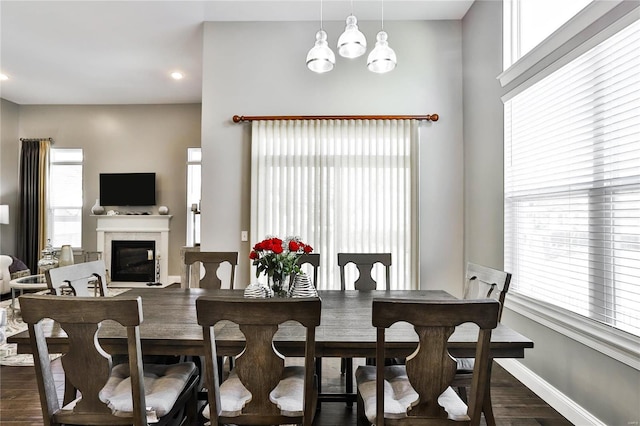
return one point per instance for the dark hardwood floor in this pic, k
(514, 404)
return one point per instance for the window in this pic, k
(341, 186)
(572, 185)
(528, 22)
(65, 197)
(194, 160)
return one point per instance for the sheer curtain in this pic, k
(341, 186)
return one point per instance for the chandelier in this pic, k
(352, 44)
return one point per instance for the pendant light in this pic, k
(321, 58)
(382, 58)
(352, 43)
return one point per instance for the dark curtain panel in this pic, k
(30, 204)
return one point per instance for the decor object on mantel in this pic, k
(66, 256)
(97, 209)
(351, 44)
(163, 210)
(278, 259)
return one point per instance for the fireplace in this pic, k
(135, 228)
(133, 260)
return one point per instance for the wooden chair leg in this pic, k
(319, 373)
(487, 407)
(349, 379)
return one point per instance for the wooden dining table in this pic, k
(170, 328)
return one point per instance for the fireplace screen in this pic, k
(133, 261)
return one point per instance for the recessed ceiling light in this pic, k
(4, 77)
(177, 75)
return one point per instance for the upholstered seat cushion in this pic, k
(287, 395)
(465, 365)
(162, 384)
(399, 395)
(18, 269)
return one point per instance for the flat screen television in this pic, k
(127, 189)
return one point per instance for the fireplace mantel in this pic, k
(135, 227)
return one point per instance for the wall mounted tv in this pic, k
(127, 189)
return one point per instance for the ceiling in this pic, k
(122, 52)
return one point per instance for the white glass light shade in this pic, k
(382, 58)
(321, 58)
(352, 43)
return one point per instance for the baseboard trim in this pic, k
(573, 412)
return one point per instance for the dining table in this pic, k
(170, 327)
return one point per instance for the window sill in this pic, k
(621, 346)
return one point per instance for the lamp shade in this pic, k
(352, 43)
(4, 214)
(382, 58)
(321, 58)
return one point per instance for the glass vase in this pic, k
(279, 285)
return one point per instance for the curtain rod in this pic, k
(37, 139)
(243, 118)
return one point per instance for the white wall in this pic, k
(586, 379)
(258, 68)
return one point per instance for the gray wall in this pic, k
(124, 138)
(259, 69)
(608, 389)
(9, 173)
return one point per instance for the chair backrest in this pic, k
(312, 259)
(364, 262)
(211, 261)
(85, 364)
(484, 282)
(259, 320)
(78, 278)
(431, 369)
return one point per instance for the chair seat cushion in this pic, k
(399, 395)
(287, 395)
(162, 385)
(465, 365)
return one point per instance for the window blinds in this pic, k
(572, 185)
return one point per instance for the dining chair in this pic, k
(211, 261)
(364, 262)
(312, 259)
(124, 394)
(77, 279)
(260, 390)
(420, 392)
(480, 282)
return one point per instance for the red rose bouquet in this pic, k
(278, 259)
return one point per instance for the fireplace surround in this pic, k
(135, 228)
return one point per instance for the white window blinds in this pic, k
(341, 186)
(572, 185)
